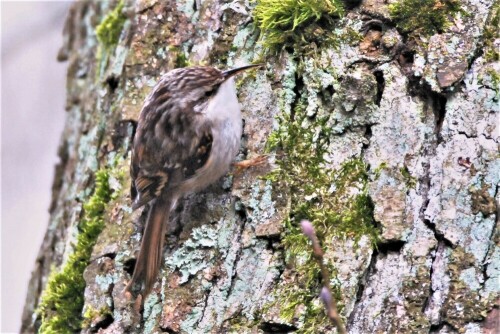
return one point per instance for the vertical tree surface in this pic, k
(381, 126)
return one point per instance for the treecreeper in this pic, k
(188, 134)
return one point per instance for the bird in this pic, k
(187, 136)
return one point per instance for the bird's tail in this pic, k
(150, 255)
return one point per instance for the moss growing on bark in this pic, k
(426, 16)
(62, 301)
(409, 180)
(491, 34)
(92, 315)
(109, 30)
(495, 79)
(296, 22)
(335, 201)
(180, 59)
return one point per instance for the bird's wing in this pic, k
(168, 147)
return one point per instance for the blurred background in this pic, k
(32, 118)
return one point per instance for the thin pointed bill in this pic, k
(229, 73)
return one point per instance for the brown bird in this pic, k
(188, 134)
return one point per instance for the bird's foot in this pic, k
(257, 161)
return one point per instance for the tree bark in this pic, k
(418, 111)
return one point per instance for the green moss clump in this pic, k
(377, 171)
(92, 314)
(335, 201)
(62, 301)
(492, 33)
(295, 22)
(180, 59)
(410, 181)
(109, 30)
(495, 79)
(427, 16)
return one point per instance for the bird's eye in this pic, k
(209, 93)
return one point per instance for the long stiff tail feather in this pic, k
(151, 253)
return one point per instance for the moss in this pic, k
(180, 59)
(494, 78)
(62, 301)
(377, 171)
(108, 34)
(426, 16)
(492, 33)
(91, 315)
(296, 23)
(109, 30)
(335, 201)
(409, 180)
(331, 199)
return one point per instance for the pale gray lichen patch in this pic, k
(440, 284)
(473, 328)
(349, 273)
(152, 308)
(104, 281)
(474, 97)
(244, 41)
(187, 7)
(87, 149)
(472, 278)
(450, 206)
(382, 293)
(288, 83)
(421, 241)
(261, 202)
(491, 285)
(344, 147)
(402, 124)
(315, 81)
(191, 257)
(240, 276)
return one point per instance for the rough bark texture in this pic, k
(421, 112)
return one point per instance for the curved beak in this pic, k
(229, 73)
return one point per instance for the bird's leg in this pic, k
(257, 161)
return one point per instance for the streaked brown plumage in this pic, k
(188, 133)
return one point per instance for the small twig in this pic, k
(326, 293)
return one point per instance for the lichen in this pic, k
(462, 304)
(152, 307)
(296, 22)
(415, 289)
(426, 16)
(109, 30)
(482, 201)
(62, 301)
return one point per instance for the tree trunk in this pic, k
(381, 124)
